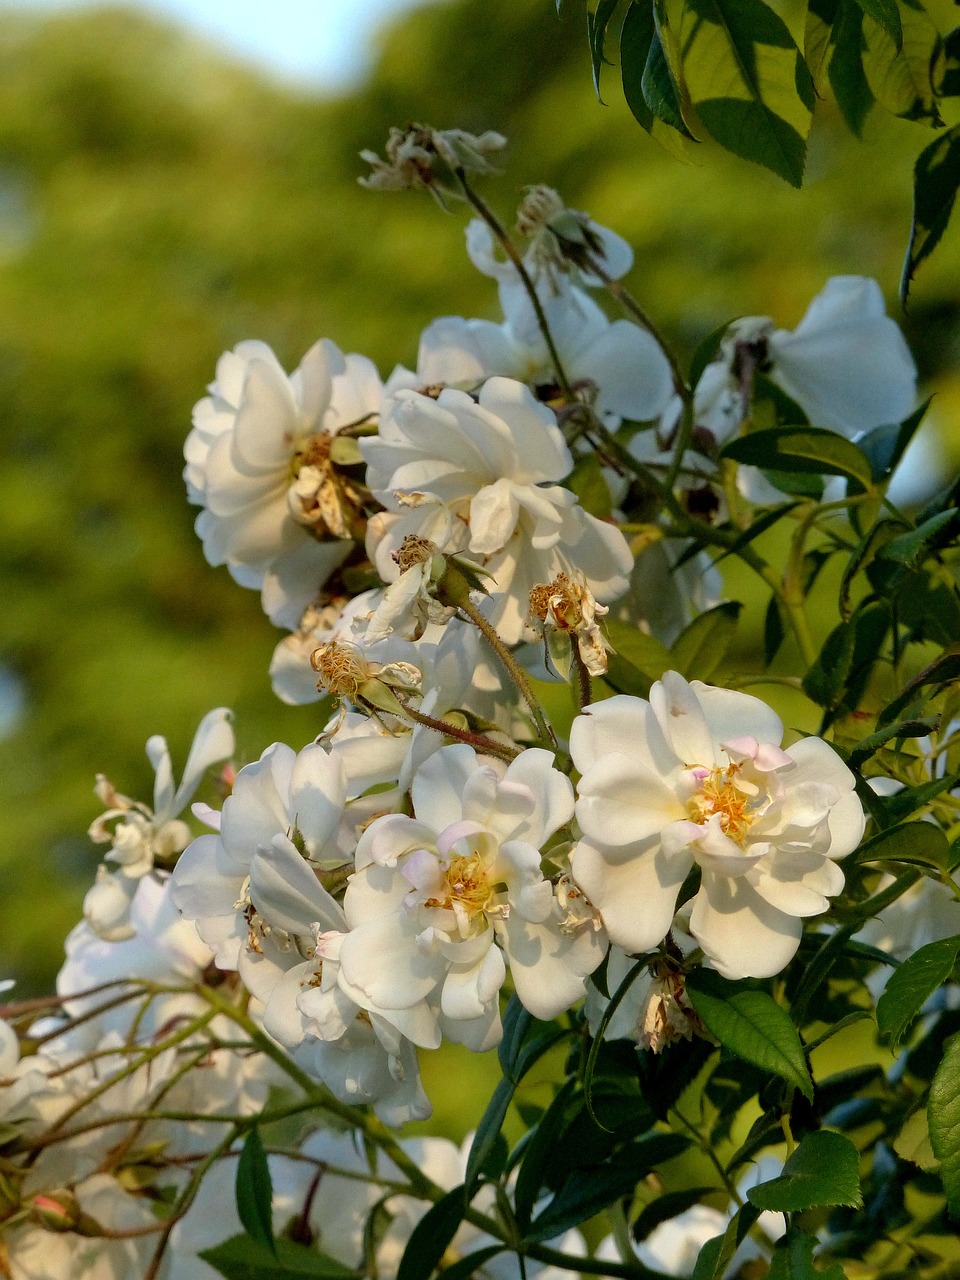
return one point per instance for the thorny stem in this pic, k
(510, 249)
(584, 684)
(728, 1184)
(21, 1008)
(514, 670)
(479, 741)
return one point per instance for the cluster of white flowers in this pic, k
(372, 893)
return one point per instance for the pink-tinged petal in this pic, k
(765, 755)
(741, 934)
(798, 883)
(635, 892)
(683, 720)
(286, 892)
(457, 831)
(267, 421)
(622, 802)
(731, 715)
(424, 872)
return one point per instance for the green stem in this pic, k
(479, 741)
(514, 670)
(510, 249)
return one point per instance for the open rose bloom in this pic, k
(697, 777)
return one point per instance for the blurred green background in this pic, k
(159, 203)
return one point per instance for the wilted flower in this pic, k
(567, 607)
(419, 156)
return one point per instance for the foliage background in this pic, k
(158, 204)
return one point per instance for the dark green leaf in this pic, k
(818, 969)
(638, 659)
(254, 1190)
(669, 1205)
(825, 683)
(488, 1130)
(866, 747)
(747, 81)
(470, 1264)
(801, 449)
(586, 1192)
(943, 1113)
(659, 89)
(707, 351)
(597, 23)
(909, 548)
(824, 1170)
(752, 1025)
(774, 631)
(636, 37)
(936, 179)
(910, 799)
(943, 670)
(431, 1236)
(886, 445)
(703, 645)
(902, 78)
(846, 75)
(793, 1260)
(717, 1254)
(915, 843)
(886, 13)
(587, 482)
(950, 83)
(539, 1151)
(244, 1258)
(908, 990)
(612, 1005)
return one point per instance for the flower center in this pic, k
(341, 669)
(720, 794)
(466, 886)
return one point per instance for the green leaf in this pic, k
(701, 647)
(793, 1260)
(886, 445)
(752, 1025)
(909, 548)
(818, 969)
(846, 74)
(914, 843)
(431, 1236)
(823, 1171)
(747, 80)
(244, 1258)
(539, 1151)
(587, 482)
(254, 1190)
(913, 728)
(668, 1205)
(471, 1264)
(597, 23)
(638, 659)
(708, 350)
(902, 75)
(801, 449)
(716, 1255)
(936, 179)
(585, 1192)
(825, 683)
(638, 35)
(910, 799)
(908, 990)
(913, 1143)
(950, 83)
(659, 88)
(886, 13)
(944, 669)
(943, 1113)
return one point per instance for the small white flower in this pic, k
(697, 776)
(261, 461)
(140, 837)
(484, 476)
(846, 364)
